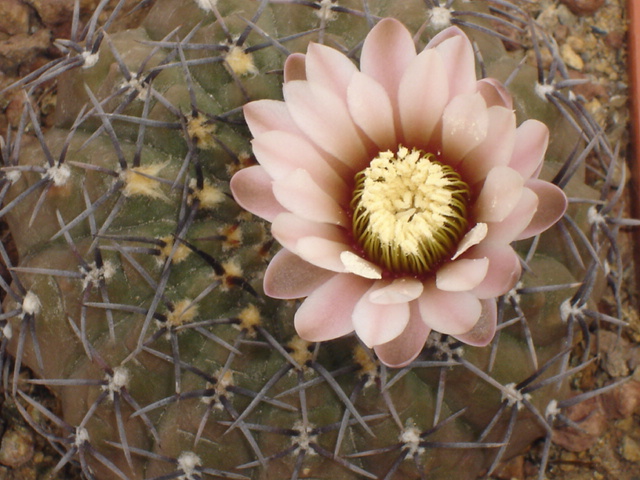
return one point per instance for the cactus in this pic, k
(137, 294)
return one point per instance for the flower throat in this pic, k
(409, 211)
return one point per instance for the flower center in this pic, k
(409, 211)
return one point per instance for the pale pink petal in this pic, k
(400, 290)
(281, 153)
(357, 265)
(376, 324)
(532, 138)
(288, 276)
(451, 313)
(500, 194)
(265, 115)
(326, 313)
(471, 238)
(288, 229)
(496, 150)
(328, 67)
(483, 331)
(403, 349)
(511, 227)
(371, 110)
(465, 124)
(457, 53)
(462, 275)
(324, 118)
(300, 194)
(387, 51)
(553, 204)
(323, 253)
(294, 67)
(494, 93)
(252, 189)
(422, 97)
(504, 270)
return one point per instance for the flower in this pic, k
(396, 191)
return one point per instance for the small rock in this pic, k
(623, 401)
(591, 418)
(514, 468)
(630, 449)
(16, 448)
(615, 39)
(21, 49)
(14, 17)
(583, 7)
(571, 58)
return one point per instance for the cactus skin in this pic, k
(137, 297)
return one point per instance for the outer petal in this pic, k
(289, 277)
(553, 204)
(376, 324)
(326, 313)
(485, 329)
(328, 67)
(324, 118)
(403, 349)
(422, 97)
(318, 243)
(500, 194)
(457, 53)
(504, 270)
(451, 313)
(300, 194)
(400, 290)
(371, 110)
(465, 124)
(295, 68)
(386, 53)
(265, 115)
(252, 189)
(281, 153)
(494, 93)
(511, 227)
(497, 148)
(462, 275)
(532, 139)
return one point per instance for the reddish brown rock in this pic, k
(591, 418)
(14, 17)
(583, 7)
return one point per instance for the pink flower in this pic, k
(396, 191)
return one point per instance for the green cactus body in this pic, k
(150, 320)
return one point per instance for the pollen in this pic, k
(201, 131)
(138, 182)
(182, 312)
(180, 254)
(409, 211)
(300, 350)
(209, 196)
(240, 62)
(250, 318)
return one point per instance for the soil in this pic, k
(592, 37)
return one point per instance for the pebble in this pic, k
(14, 17)
(583, 7)
(591, 418)
(571, 58)
(16, 448)
(630, 449)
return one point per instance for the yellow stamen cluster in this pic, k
(409, 211)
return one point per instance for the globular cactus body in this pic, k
(138, 298)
